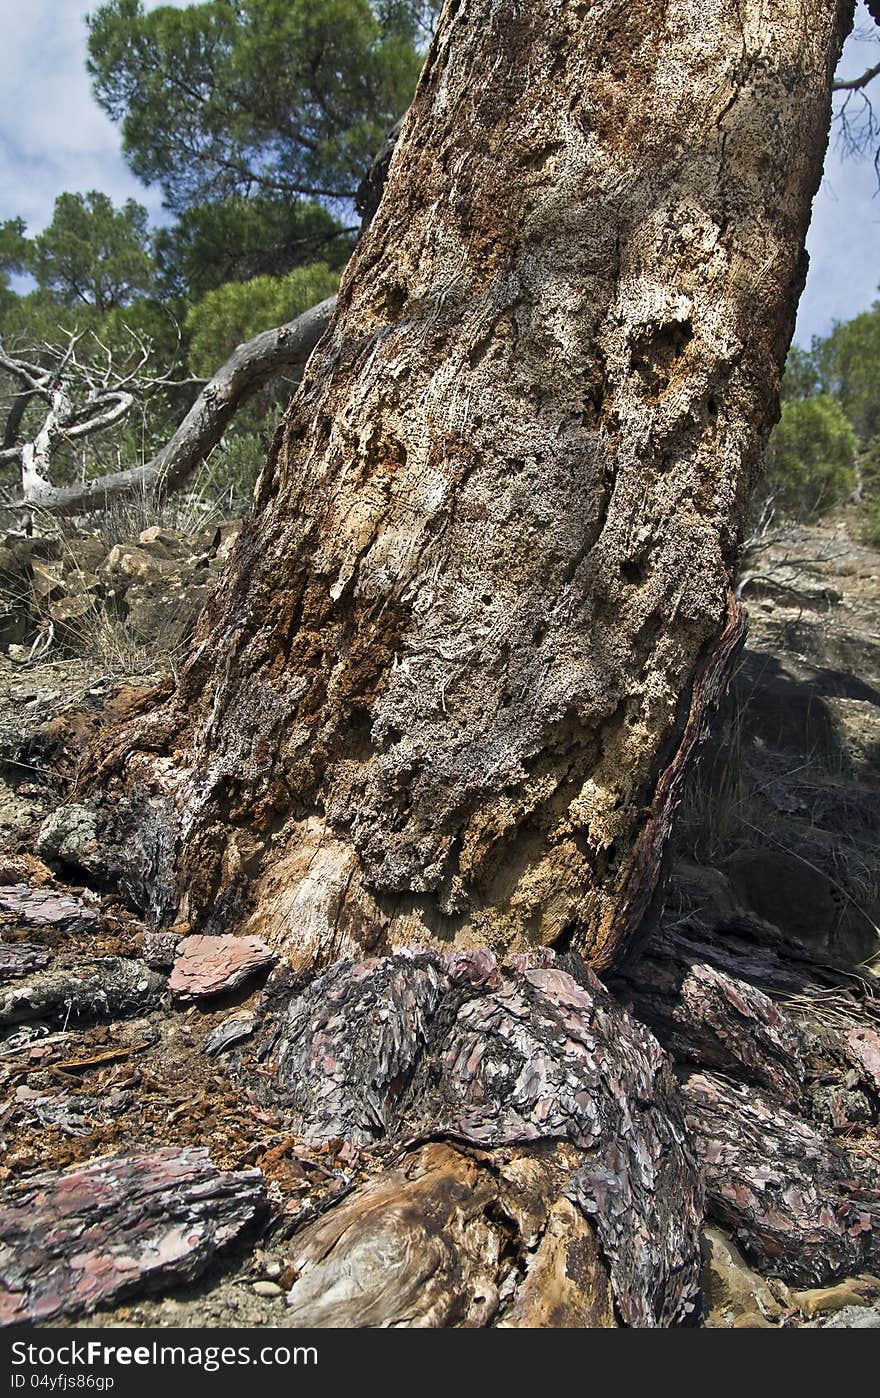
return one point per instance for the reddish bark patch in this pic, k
(72, 1240)
(211, 965)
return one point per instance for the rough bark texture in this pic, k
(779, 1174)
(71, 1240)
(18, 958)
(705, 1015)
(568, 1116)
(784, 1191)
(449, 1140)
(104, 988)
(468, 638)
(442, 707)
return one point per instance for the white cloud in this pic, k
(54, 136)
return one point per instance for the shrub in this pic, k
(810, 461)
(237, 311)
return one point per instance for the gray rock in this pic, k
(855, 1318)
(159, 949)
(70, 835)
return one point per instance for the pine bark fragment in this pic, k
(18, 958)
(24, 906)
(706, 1016)
(780, 1186)
(72, 1240)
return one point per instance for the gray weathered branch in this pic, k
(251, 366)
(855, 84)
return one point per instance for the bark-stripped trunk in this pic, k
(36, 456)
(447, 690)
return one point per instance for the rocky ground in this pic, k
(163, 1058)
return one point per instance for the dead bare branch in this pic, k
(855, 84)
(248, 369)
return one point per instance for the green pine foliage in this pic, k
(236, 311)
(847, 364)
(825, 449)
(280, 98)
(239, 238)
(810, 462)
(93, 254)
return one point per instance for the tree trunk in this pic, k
(448, 689)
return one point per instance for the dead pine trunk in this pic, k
(447, 692)
(443, 688)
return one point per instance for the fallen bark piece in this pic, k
(785, 1192)
(212, 965)
(705, 1015)
(43, 907)
(863, 1051)
(74, 1115)
(20, 958)
(71, 1240)
(230, 1032)
(98, 989)
(522, 1056)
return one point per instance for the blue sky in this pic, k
(53, 137)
